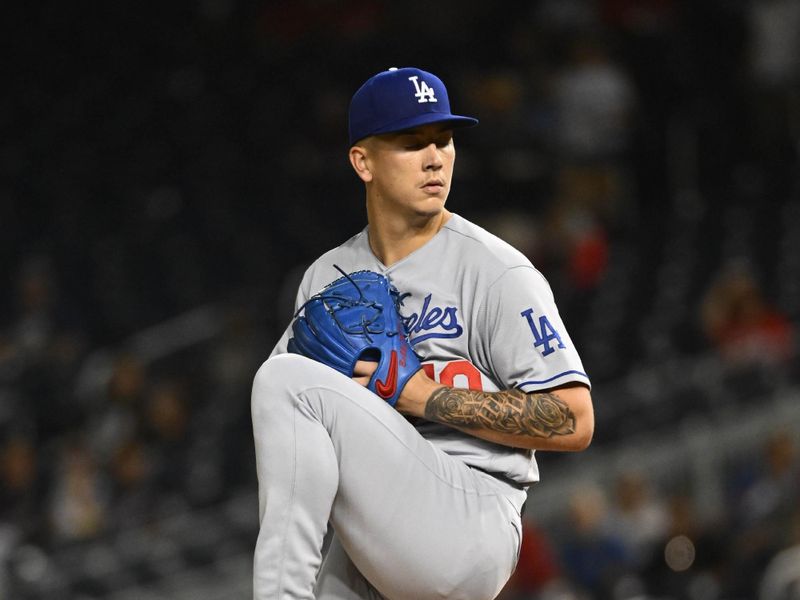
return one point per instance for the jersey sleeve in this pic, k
(527, 343)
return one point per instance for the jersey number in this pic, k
(464, 370)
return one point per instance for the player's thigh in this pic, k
(410, 515)
(439, 545)
(339, 578)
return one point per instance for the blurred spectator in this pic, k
(577, 227)
(594, 102)
(21, 488)
(593, 556)
(637, 517)
(43, 329)
(114, 416)
(774, 42)
(781, 578)
(740, 322)
(41, 348)
(774, 64)
(775, 488)
(763, 512)
(578, 241)
(36, 319)
(79, 500)
(127, 380)
(167, 415)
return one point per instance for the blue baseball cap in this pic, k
(400, 99)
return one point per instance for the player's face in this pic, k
(412, 170)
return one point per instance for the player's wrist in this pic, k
(415, 394)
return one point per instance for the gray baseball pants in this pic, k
(410, 521)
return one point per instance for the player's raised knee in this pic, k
(284, 374)
(276, 370)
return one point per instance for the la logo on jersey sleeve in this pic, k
(544, 334)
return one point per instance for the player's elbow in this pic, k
(583, 437)
(577, 441)
(584, 428)
(580, 402)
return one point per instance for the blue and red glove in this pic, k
(356, 318)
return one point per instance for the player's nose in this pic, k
(432, 157)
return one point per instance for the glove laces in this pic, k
(368, 324)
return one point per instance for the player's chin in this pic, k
(431, 204)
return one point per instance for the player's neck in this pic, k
(391, 240)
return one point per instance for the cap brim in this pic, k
(455, 121)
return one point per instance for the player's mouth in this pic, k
(434, 186)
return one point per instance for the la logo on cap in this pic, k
(424, 92)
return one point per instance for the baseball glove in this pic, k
(355, 318)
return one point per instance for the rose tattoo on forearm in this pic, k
(510, 411)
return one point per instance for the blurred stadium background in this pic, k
(168, 169)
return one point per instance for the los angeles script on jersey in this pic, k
(442, 322)
(432, 322)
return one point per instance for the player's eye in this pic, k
(444, 142)
(419, 144)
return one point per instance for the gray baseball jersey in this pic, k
(480, 316)
(419, 517)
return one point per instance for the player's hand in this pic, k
(363, 371)
(415, 394)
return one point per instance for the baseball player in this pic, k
(404, 478)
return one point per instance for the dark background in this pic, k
(168, 169)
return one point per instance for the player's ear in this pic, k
(360, 163)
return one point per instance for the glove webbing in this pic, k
(362, 328)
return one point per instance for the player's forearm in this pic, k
(553, 420)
